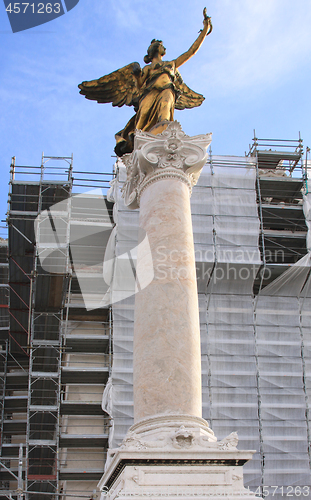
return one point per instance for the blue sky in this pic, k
(254, 71)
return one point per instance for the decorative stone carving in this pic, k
(171, 154)
(166, 432)
(230, 442)
(236, 477)
(183, 438)
(175, 455)
(173, 432)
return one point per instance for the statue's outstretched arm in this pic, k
(207, 29)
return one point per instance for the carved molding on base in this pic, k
(175, 455)
(171, 154)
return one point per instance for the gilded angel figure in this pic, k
(154, 91)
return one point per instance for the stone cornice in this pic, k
(171, 154)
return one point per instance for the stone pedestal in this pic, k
(170, 450)
(175, 456)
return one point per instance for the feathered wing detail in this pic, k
(187, 98)
(119, 87)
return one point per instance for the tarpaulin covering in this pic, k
(256, 350)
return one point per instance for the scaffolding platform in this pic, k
(51, 382)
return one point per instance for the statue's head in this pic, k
(153, 49)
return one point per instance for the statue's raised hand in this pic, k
(207, 21)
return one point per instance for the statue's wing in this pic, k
(187, 98)
(119, 87)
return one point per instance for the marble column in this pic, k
(170, 450)
(167, 357)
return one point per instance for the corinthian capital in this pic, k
(171, 154)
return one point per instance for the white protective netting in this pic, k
(256, 352)
(118, 397)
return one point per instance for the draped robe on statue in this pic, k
(154, 102)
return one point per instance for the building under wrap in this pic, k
(67, 333)
(251, 217)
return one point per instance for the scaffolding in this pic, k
(55, 433)
(4, 331)
(281, 181)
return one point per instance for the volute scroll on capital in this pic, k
(171, 154)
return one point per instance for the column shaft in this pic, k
(167, 358)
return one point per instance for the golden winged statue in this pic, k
(154, 91)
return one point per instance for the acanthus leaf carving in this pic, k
(171, 154)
